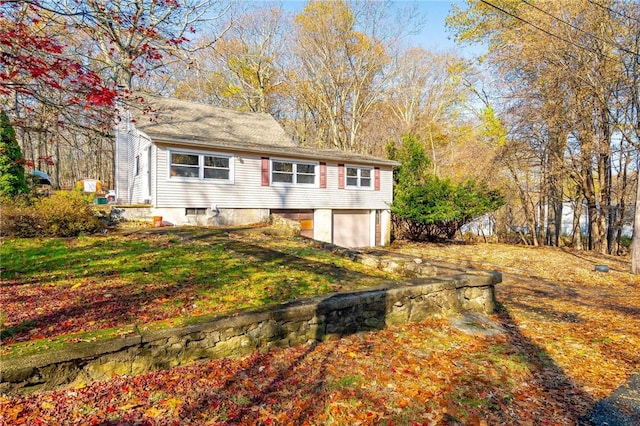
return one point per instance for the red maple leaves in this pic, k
(31, 59)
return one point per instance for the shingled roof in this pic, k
(180, 122)
(183, 119)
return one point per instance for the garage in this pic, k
(304, 217)
(351, 228)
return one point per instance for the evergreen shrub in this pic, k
(427, 207)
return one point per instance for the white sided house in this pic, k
(197, 164)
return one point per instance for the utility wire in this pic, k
(545, 31)
(580, 29)
(631, 18)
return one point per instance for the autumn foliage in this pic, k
(569, 338)
(32, 58)
(63, 214)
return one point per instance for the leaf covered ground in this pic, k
(59, 291)
(571, 336)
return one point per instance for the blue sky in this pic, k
(433, 36)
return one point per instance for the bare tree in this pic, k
(135, 38)
(343, 51)
(562, 60)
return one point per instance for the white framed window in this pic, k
(213, 167)
(287, 172)
(195, 211)
(359, 177)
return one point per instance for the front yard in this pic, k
(571, 335)
(58, 291)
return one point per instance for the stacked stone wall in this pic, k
(287, 325)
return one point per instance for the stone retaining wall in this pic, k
(290, 324)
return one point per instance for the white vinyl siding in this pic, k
(247, 190)
(122, 165)
(139, 174)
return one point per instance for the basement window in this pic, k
(195, 211)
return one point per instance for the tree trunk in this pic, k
(576, 235)
(635, 242)
(554, 185)
(597, 240)
(606, 179)
(527, 205)
(56, 166)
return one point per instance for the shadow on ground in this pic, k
(622, 408)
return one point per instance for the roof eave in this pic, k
(298, 152)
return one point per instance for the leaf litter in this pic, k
(569, 338)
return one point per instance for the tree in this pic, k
(427, 96)
(131, 39)
(61, 63)
(12, 179)
(428, 207)
(635, 243)
(243, 69)
(342, 52)
(562, 63)
(33, 56)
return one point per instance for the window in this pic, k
(195, 211)
(282, 172)
(137, 166)
(185, 165)
(289, 172)
(216, 167)
(359, 177)
(200, 166)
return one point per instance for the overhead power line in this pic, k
(631, 18)
(609, 42)
(506, 12)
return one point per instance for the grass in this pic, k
(571, 337)
(57, 291)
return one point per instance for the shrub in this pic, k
(18, 217)
(426, 207)
(438, 208)
(12, 179)
(64, 214)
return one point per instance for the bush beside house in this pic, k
(427, 207)
(63, 214)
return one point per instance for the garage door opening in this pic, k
(304, 217)
(351, 228)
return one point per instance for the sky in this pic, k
(434, 34)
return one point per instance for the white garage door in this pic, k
(351, 228)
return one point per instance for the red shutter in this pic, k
(340, 176)
(265, 171)
(376, 179)
(323, 175)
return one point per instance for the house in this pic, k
(197, 164)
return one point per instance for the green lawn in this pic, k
(57, 291)
(570, 333)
